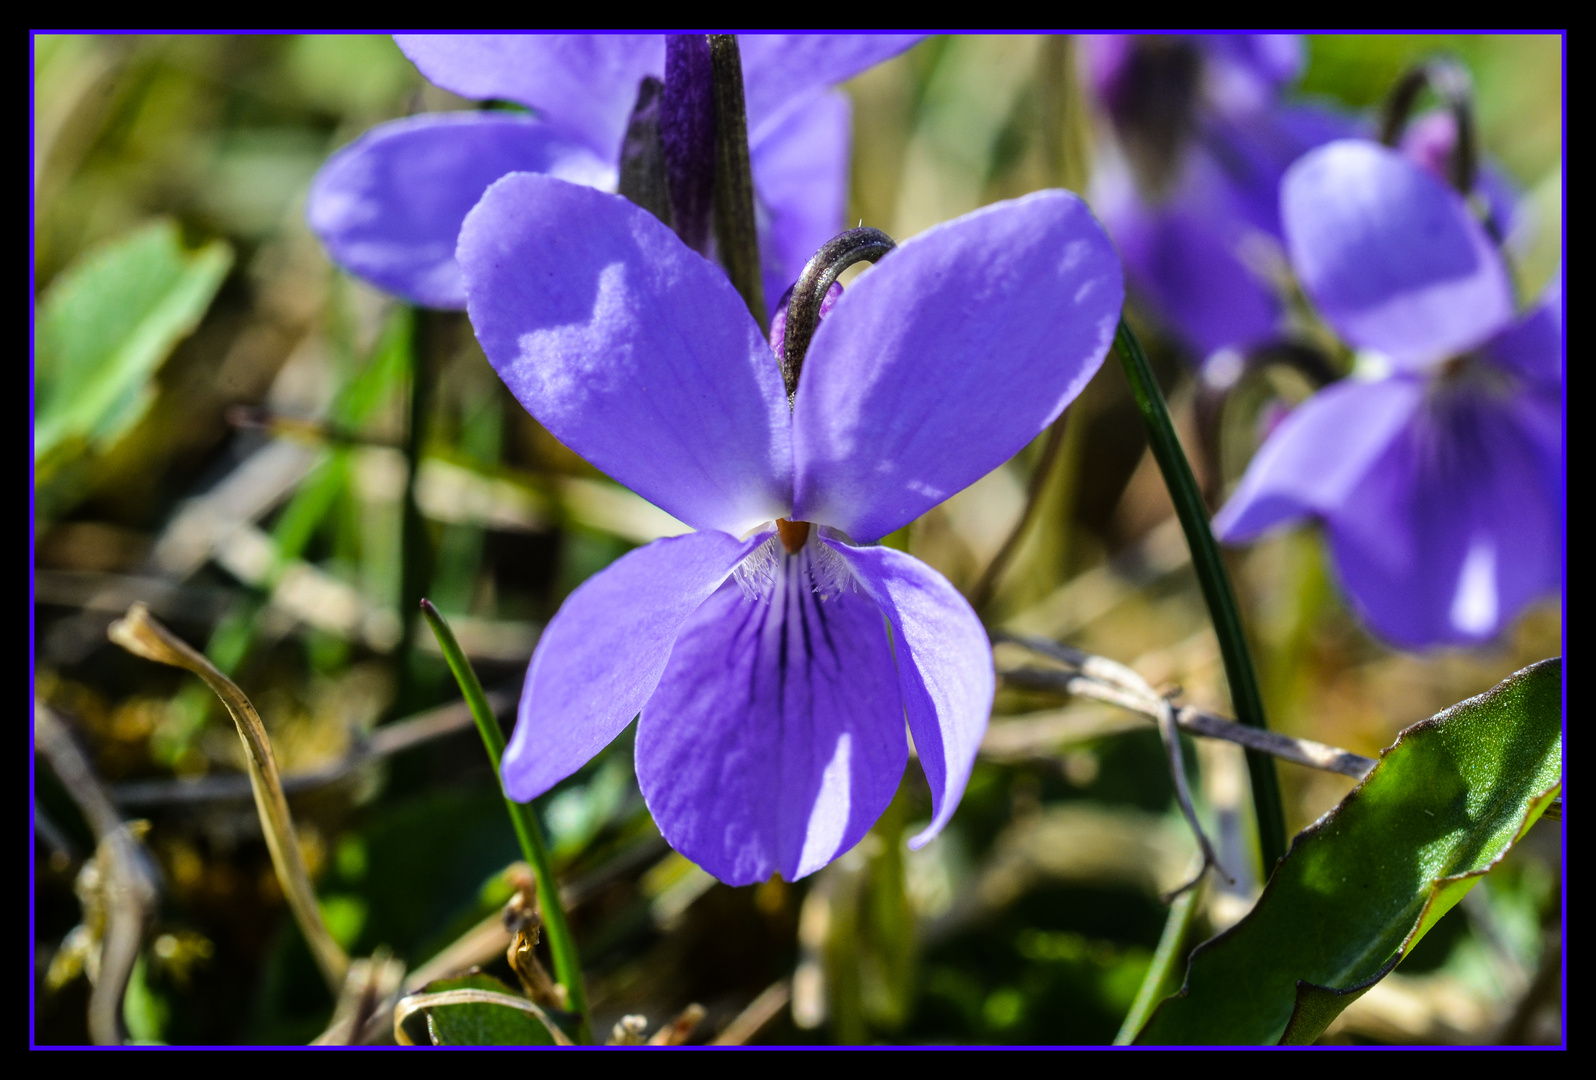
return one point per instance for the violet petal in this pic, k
(389, 206)
(602, 654)
(1532, 347)
(780, 68)
(584, 84)
(1390, 254)
(944, 669)
(944, 360)
(1318, 455)
(775, 739)
(1457, 527)
(631, 349)
(800, 166)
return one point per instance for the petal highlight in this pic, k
(602, 654)
(389, 206)
(631, 349)
(942, 362)
(775, 739)
(944, 669)
(1391, 256)
(583, 84)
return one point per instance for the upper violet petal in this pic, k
(944, 360)
(389, 205)
(800, 167)
(775, 739)
(631, 349)
(944, 668)
(583, 84)
(781, 68)
(602, 654)
(1391, 255)
(1318, 455)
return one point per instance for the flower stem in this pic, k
(1221, 601)
(1157, 982)
(562, 946)
(736, 237)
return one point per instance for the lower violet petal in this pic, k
(603, 652)
(1455, 529)
(944, 669)
(389, 205)
(775, 739)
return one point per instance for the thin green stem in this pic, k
(562, 946)
(736, 237)
(1160, 973)
(1221, 601)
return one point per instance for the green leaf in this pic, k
(482, 1025)
(1362, 885)
(104, 327)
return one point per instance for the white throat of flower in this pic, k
(770, 563)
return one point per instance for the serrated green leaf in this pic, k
(482, 1025)
(1362, 885)
(106, 324)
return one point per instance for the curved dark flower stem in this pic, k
(562, 946)
(1221, 601)
(809, 292)
(1451, 84)
(736, 237)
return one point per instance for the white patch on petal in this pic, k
(756, 575)
(829, 818)
(1474, 606)
(829, 575)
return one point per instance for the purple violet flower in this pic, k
(773, 700)
(1436, 468)
(388, 206)
(1189, 185)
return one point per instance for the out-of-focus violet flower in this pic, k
(389, 206)
(1437, 468)
(773, 700)
(1189, 185)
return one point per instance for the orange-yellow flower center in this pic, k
(793, 534)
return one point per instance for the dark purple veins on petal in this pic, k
(687, 133)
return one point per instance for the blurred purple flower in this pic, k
(1189, 186)
(1437, 468)
(757, 649)
(388, 206)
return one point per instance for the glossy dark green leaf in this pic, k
(106, 324)
(1362, 885)
(482, 1025)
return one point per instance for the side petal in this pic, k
(1318, 455)
(944, 668)
(1455, 529)
(583, 84)
(603, 653)
(780, 68)
(942, 362)
(800, 170)
(1532, 348)
(389, 205)
(775, 739)
(633, 350)
(1391, 255)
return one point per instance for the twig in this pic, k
(129, 878)
(1108, 680)
(760, 1011)
(1169, 734)
(141, 635)
(384, 742)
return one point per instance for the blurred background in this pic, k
(254, 465)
